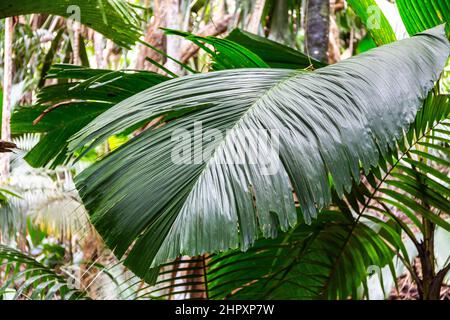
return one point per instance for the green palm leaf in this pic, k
(376, 22)
(309, 262)
(331, 122)
(419, 15)
(273, 53)
(356, 236)
(65, 108)
(115, 19)
(32, 279)
(226, 54)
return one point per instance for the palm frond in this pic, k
(421, 15)
(358, 235)
(63, 109)
(246, 50)
(375, 20)
(330, 121)
(226, 54)
(47, 197)
(116, 20)
(31, 279)
(273, 53)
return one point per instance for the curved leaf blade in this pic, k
(374, 19)
(331, 121)
(116, 20)
(420, 15)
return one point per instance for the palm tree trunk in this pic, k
(317, 28)
(7, 88)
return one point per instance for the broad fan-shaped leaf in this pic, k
(330, 122)
(115, 19)
(308, 262)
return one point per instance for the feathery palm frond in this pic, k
(273, 53)
(31, 279)
(300, 264)
(47, 197)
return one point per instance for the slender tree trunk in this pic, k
(279, 25)
(255, 18)
(317, 28)
(334, 46)
(173, 47)
(155, 37)
(98, 48)
(430, 288)
(76, 29)
(7, 89)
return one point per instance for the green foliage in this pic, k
(115, 19)
(328, 259)
(331, 121)
(226, 54)
(419, 15)
(375, 21)
(343, 142)
(273, 53)
(31, 279)
(332, 257)
(65, 108)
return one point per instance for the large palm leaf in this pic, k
(63, 109)
(273, 53)
(332, 121)
(406, 190)
(358, 235)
